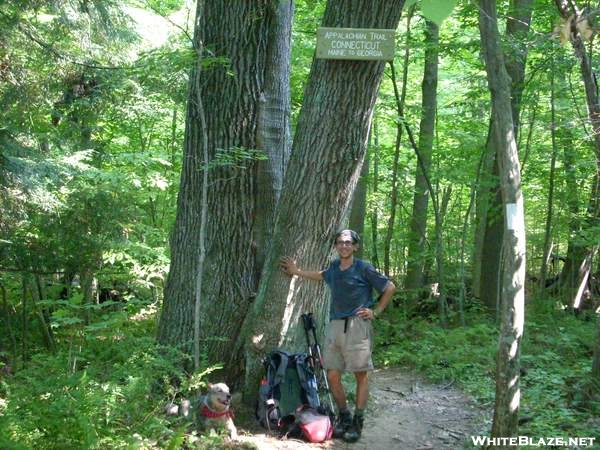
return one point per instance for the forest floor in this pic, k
(405, 413)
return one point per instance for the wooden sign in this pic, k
(355, 43)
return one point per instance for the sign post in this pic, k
(356, 43)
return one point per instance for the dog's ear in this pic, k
(209, 386)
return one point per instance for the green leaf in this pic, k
(437, 10)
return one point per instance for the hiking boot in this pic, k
(342, 425)
(353, 433)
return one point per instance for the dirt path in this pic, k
(403, 413)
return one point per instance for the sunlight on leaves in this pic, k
(79, 160)
(158, 181)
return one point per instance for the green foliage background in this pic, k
(92, 125)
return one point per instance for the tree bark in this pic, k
(239, 98)
(418, 223)
(358, 211)
(321, 176)
(506, 409)
(488, 239)
(374, 192)
(274, 127)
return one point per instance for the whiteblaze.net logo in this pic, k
(525, 441)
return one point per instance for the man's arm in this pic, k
(288, 265)
(385, 298)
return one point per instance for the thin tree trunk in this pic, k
(550, 209)
(463, 244)
(88, 288)
(439, 244)
(24, 322)
(400, 102)
(482, 206)
(44, 318)
(489, 233)
(506, 409)
(320, 179)
(415, 276)
(518, 23)
(374, 194)
(7, 322)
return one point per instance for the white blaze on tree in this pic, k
(506, 408)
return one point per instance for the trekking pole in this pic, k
(315, 352)
(308, 322)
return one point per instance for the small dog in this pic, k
(214, 410)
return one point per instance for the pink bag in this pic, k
(315, 427)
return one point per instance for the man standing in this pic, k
(349, 336)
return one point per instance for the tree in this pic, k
(321, 176)
(418, 222)
(488, 236)
(506, 408)
(358, 211)
(237, 107)
(400, 98)
(582, 250)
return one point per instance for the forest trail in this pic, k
(404, 413)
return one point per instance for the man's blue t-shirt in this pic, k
(352, 288)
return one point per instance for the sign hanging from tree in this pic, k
(355, 43)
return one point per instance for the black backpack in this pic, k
(288, 385)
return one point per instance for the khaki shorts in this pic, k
(348, 345)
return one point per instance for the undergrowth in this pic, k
(107, 391)
(556, 361)
(106, 387)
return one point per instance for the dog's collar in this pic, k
(211, 413)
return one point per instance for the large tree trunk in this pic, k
(274, 127)
(483, 195)
(239, 102)
(320, 179)
(358, 211)
(506, 410)
(418, 223)
(488, 240)
(491, 252)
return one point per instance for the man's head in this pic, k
(344, 235)
(346, 243)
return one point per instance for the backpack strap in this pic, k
(281, 367)
(307, 379)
